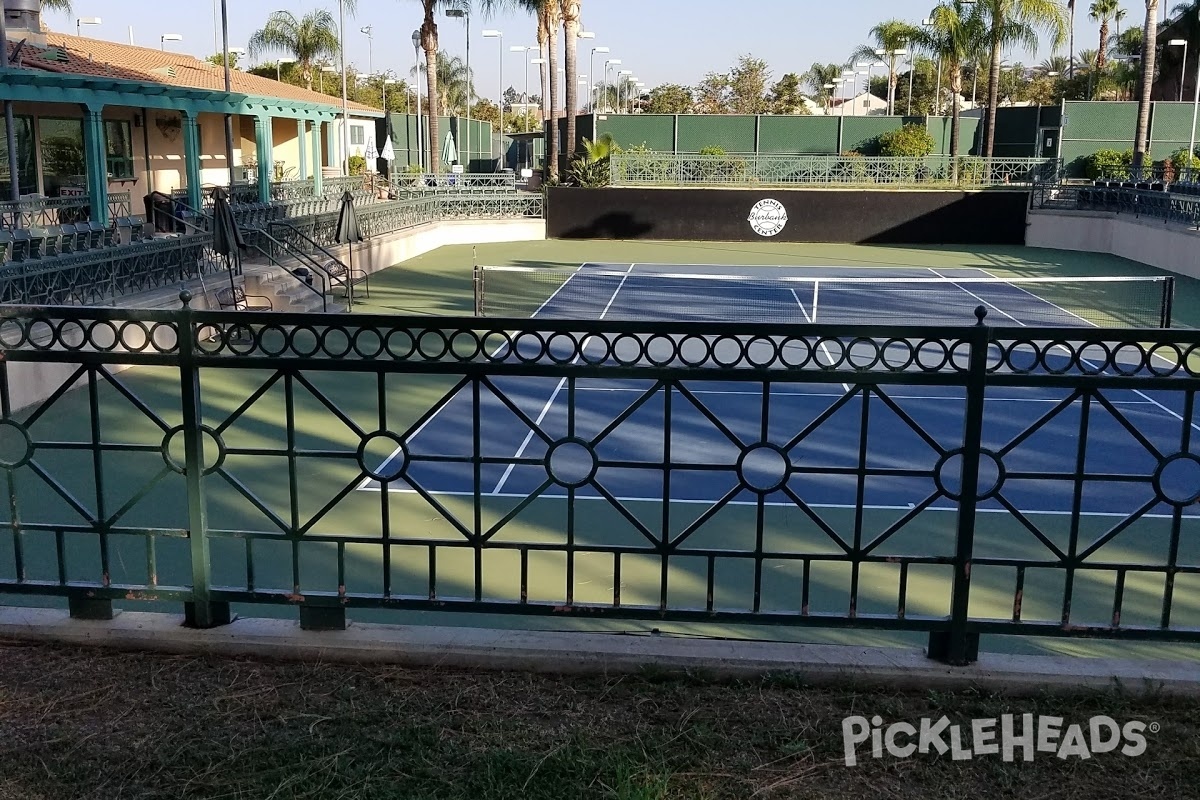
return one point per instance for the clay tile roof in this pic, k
(81, 56)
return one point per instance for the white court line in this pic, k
(366, 482)
(811, 319)
(558, 389)
(789, 504)
(832, 395)
(1090, 363)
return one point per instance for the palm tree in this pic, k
(1149, 45)
(1102, 11)
(455, 84)
(1071, 45)
(549, 15)
(1059, 64)
(57, 5)
(308, 39)
(1012, 22)
(570, 16)
(955, 31)
(818, 77)
(429, 43)
(888, 36)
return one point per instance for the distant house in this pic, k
(865, 105)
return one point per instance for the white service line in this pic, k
(1138, 392)
(790, 504)
(828, 355)
(557, 389)
(832, 396)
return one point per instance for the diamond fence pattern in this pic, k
(333, 462)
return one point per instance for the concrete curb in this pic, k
(597, 654)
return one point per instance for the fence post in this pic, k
(958, 645)
(200, 611)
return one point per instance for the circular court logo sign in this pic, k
(768, 217)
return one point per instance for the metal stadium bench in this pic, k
(236, 299)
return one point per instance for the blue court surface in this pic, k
(910, 430)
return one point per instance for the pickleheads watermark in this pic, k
(1008, 736)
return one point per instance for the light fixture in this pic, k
(587, 35)
(168, 37)
(79, 23)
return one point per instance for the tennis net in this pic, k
(585, 293)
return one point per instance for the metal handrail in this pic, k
(319, 271)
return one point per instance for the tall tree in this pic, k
(712, 94)
(1071, 46)
(1103, 11)
(670, 98)
(570, 17)
(1149, 46)
(888, 36)
(549, 15)
(818, 77)
(785, 97)
(955, 31)
(308, 39)
(748, 85)
(1014, 22)
(429, 43)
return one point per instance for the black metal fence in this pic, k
(333, 462)
(1159, 203)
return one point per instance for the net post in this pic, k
(1168, 301)
(477, 284)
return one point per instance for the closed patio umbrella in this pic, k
(227, 239)
(348, 233)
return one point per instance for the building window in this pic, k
(26, 160)
(118, 149)
(357, 134)
(63, 165)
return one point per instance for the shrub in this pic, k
(1109, 164)
(358, 165)
(911, 141)
(643, 164)
(720, 167)
(1180, 164)
(851, 166)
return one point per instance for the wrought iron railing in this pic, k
(1170, 207)
(44, 211)
(332, 462)
(97, 277)
(382, 218)
(648, 168)
(292, 190)
(411, 184)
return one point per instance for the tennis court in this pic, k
(815, 436)
(526, 491)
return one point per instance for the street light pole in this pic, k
(345, 155)
(463, 11)
(500, 91)
(1183, 68)
(592, 74)
(228, 90)
(1195, 109)
(416, 40)
(366, 30)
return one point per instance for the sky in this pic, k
(661, 41)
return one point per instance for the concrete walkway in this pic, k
(601, 654)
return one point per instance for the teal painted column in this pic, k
(331, 144)
(191, 157)
(302, 132)
(94, 147)
(316, 158)
(264, 148)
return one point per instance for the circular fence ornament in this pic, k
(768, 217)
